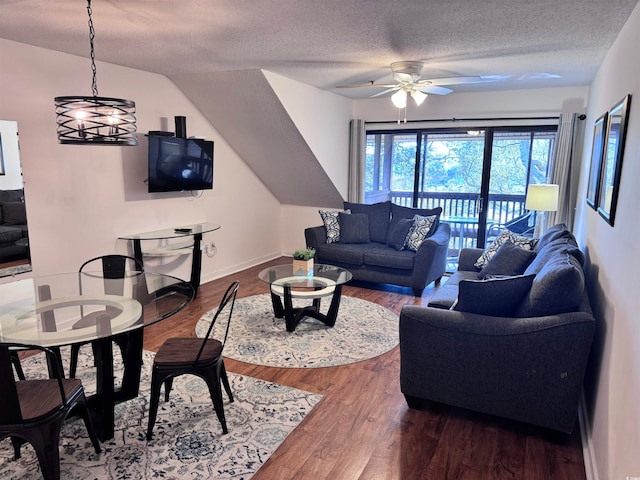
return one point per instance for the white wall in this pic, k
(318, 115)
(81, 198)
(12, 177)
(613, 384)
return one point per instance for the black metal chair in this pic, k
(195, 356)
(519, 225)
(113, 267)
(34, 411)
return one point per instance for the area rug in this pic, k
(363, 330)
(188, 440)
(10, 271)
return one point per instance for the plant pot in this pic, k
(303, 267)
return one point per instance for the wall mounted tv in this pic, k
(177, 164)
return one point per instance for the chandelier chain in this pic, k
(92, 35)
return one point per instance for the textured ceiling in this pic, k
(535, 43)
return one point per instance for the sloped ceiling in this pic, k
(243, 107)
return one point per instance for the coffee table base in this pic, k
(293, 316)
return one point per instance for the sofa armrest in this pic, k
(315, 236)
(467, 258)
(525, 369)
(431, 258)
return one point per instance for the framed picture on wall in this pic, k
(1, 157)
(611, 169)
(597, 153)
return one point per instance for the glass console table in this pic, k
(195, 230)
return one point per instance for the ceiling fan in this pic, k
(408, 75)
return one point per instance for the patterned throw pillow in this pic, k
(505, 236)
(419, 231)
(331, 223)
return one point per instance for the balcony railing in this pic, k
(501, 209)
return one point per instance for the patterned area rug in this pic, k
(9, 271)
(363, 330)
(188, 440)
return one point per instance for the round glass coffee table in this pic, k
(326, 281)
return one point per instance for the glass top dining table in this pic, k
(81, 307)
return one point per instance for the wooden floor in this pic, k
(362, 429)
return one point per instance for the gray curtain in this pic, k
(564, 171)
(357, 145)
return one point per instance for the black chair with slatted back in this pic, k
(34, 411)
(113, 267)
(195, 356)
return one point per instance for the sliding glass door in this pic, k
(478, 177)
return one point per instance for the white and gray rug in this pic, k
(18, 269)
(363, 330)
(188, 440)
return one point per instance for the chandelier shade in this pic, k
(95, 120)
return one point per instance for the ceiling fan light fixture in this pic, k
(95, 120)
(399, 99)
(418, 97)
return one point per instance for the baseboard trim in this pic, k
(588, 454)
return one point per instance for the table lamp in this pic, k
(542, 197)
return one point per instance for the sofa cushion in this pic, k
(381, 255)
(555, 247)
(498, 297)
(506, 235)
(398, 234)
(446, 295)
(509, 259)
(354, 227)
(14, 213)
(10, 234)
(555, 232)
(398, 212)
(378, 213)
(331, 224)
(421, 229)
(557, 288)
(341, 253)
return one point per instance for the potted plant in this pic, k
(303, 261)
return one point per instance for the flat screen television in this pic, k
(177, 164)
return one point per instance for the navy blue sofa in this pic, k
(380, 258)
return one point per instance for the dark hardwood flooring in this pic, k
(363, 429)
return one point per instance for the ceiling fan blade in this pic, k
(455, 80)
(362, 85)
(384, 92)
(435, 90)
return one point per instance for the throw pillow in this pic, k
(420, 230)
(378, 213)
(497, 297)
(354, 227)
(399, 232)
(14, 213)
(399, 212)
(524, 242)
(330, 220)
(509, 259)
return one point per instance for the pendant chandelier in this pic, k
(95, 120)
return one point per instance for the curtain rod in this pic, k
(581, 117)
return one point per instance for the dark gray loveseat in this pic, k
(379, 257)
(528, 366)
(13, 225)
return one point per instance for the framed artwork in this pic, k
(597, 152)
(611, 168)
(1, 157)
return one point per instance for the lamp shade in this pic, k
(542, 197)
